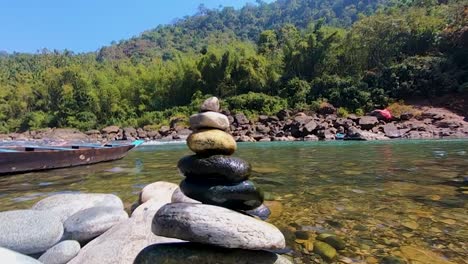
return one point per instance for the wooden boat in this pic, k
(34, 158)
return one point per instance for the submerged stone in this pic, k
(209, 120)
(326, 251)
(211, 141)
(332, 240)
(215, 225)
(214, 168)
(242, 196)
(203, 254)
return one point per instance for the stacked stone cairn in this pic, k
(219, 215)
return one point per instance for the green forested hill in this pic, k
(292, 53)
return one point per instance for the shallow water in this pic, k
(378, 196)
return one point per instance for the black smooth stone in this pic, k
(223, 169)
(262, 212)
(242, 196)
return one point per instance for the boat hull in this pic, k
(27, 161)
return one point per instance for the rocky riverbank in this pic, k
(429, 123)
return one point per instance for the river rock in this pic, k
(209, 120)
(326, 251)
(332, 240)
(123, 242)
(210, 104)
(215, 225)
(211, 141)
(64, 205)
(11, 257)
(242, 196)
(368, 122)
(419, 255)
(61, 253)
(203, 254)
(179, 197)
(92, 222)
(262, 212)
(214, 168)
(29, 231)
(158, 190)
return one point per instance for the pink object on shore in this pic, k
(386, 113)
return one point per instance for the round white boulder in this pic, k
(61, 253)
(29, 231)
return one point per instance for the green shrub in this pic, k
(342, 112)
(256, 103)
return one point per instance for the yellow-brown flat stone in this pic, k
(212, 141)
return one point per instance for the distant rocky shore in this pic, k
(286, 125)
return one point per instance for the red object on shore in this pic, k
(386, 113)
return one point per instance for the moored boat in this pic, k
(20, 159)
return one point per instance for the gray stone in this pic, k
(209, 120)
(210, 104)
(64, 205)
(391, 131)
(123, 242)
(179, 197)
(61, 253)
(158, 190)
(92, 222)
(357, 134)
(241, 119)
(203, 254)
(368, 122)
(11, 257)
(216, 226)
(29, 231)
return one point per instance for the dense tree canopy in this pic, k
(355, 54)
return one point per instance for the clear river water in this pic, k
(402, 198)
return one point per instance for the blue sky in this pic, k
(87, 25)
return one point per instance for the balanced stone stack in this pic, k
(218, 220)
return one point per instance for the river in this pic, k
(379, 196)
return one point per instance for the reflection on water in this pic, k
(379, 196)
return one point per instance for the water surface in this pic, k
(378, 196)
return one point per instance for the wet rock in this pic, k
(332, 240)
(64, 205)
(368, 122)
(92, 222)
(157, 190)
(276, 208)
(211, 141)
(326, 251)
(214, 168)
(203, 254)
(262, 212)
(29, 231)
(311, 138)
(392, 260)
(61, 253)
(210, 104)
(304, 235)
(216, 226)
(242, 196)
(11, 257)
(418, 255)
(209, 120)
(179, 197)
